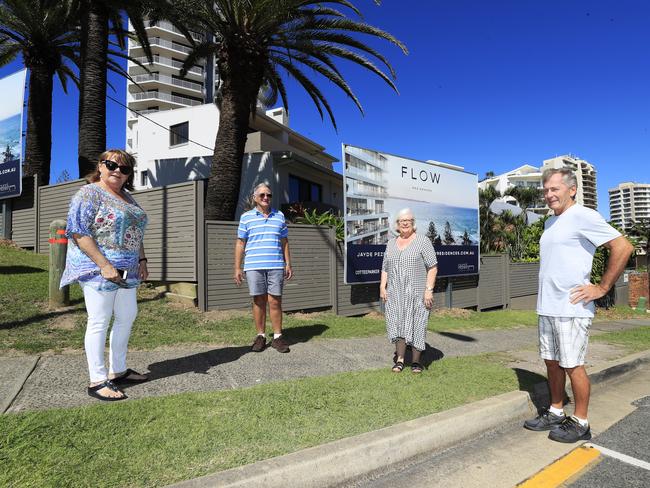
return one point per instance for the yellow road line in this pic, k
(564, 468)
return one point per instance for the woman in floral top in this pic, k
(105, 256)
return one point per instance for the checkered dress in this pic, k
(406, 315)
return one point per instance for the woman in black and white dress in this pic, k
(407, 279)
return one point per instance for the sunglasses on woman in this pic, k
(112, 166)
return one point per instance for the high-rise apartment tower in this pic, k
(629, 202)
(163, 88)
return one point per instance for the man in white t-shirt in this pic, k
(565, 300)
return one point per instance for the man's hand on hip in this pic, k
(586, 293)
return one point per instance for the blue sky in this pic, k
(489, 85)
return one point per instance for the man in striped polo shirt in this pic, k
(262, 242)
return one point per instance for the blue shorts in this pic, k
(265, 282)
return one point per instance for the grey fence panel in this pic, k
(354, 299)
(170, 238)
(311, 287)
(2, 224)
(23, 216)
(221, 292)
(464, 292)
(310, 258)
(523, 279)
(493, 282)
(4, 205)
(622, 291)
(53, 203)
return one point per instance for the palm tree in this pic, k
(487, 220)
(526, 196)
(254, 44)
(43, 33)
(100, 21)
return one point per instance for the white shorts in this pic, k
(564, 339)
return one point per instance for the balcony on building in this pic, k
(166, 65)
(167, 29)
(142, 100)
(159, 80)
(162, 46)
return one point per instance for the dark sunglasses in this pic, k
(112, 166)
(262, 195)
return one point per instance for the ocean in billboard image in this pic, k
(443, 224)
(10, 139)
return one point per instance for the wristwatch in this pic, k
(429, 288)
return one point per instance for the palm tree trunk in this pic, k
(240, 85)
(92, 91)
(38, 143)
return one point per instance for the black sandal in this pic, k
(417, 368)
(398, 367)
(93, 391)
(124, 377)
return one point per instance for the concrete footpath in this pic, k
(24, 379)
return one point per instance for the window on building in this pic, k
(301, 190)
(179, 134)
(144, 178)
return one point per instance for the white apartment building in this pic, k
(173, 146)
(585, 174)
(629, 202)
(531, 176)
(367, 222)
(526, 176)
(163, 88)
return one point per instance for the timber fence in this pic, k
(183, 247)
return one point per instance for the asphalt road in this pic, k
(630, 437)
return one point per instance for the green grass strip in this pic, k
(157, 441)
(635, 340)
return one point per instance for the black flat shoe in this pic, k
(124, 378)
(93, 391)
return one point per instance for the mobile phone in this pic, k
(123, 274)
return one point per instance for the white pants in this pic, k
(101, 306)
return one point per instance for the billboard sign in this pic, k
(11, 128)
(443, 198)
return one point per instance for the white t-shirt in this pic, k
(567, 250)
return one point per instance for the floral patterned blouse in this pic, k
(118, 229)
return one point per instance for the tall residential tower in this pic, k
(163, 88)
(629, 202)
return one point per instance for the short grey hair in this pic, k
(568, 176)
(402, 213)
(263, 184)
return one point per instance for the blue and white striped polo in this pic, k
(262, 235)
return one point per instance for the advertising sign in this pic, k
(443, 199)
(12, 88)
